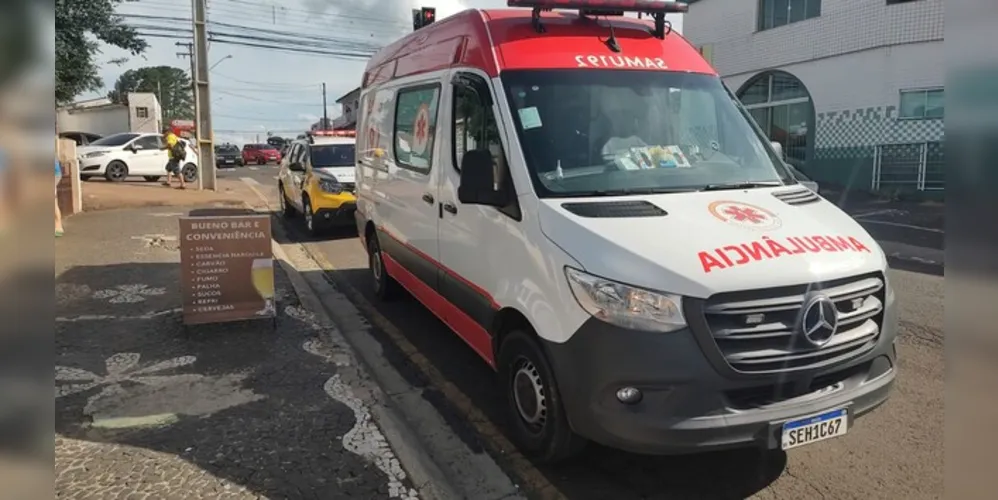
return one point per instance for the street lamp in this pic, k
(219, 62)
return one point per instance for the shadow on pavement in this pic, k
(243, 402)
(599, 472)
(296, 225)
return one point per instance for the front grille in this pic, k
(349, 186)
(758, 331)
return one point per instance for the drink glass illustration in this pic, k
(263, 281)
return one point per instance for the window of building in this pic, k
(142, 112)
(781, 105)
(922, 104)
(415, 126)
(776, 13)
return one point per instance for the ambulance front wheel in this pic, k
(533, 403)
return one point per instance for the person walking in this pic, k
(177, 152)
(58, 213)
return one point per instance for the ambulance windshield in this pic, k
(591, 132)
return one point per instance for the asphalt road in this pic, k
(895, 452)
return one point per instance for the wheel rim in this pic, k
(529, 395)
(308, 215)
(376, 265)
(189, 173)
(117, 172)
(283, 203)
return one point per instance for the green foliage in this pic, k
(79, 27)
(172, 86)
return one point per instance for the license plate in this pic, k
(230, 161)
(813, 429)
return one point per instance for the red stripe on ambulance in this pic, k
(770, 248)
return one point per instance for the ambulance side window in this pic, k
(475, 128)
(416, 127)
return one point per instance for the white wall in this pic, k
(104, 120)
(862, 79)
(153, 122)
(844, 26)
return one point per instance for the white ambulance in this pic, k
(580, 199)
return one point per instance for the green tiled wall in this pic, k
(845, 142)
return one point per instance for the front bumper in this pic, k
(688, 405)
(92, 166)
(335, 217)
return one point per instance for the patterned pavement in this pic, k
(147, 409)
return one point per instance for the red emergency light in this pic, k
(649, 6)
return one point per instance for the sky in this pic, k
(259, 90)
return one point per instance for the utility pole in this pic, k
(206, 150)
(325, 115)
(194, 86)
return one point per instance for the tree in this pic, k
(79, 27)
(172, 86)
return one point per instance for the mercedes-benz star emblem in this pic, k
(820, 320)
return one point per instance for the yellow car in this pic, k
(316, 180)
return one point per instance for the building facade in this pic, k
(102, 116)
(853, 89)
(350, 106)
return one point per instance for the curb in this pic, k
(426, 476)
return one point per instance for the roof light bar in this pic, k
(649, 6)
(335, 133)
(656, 8)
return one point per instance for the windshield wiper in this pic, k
(740, 185)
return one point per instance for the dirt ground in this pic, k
(103, 195)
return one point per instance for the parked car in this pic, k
(261, 154)
(228, 155)
(316, 180)
(80, 138)
(120, 156)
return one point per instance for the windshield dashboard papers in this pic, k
(654, 157)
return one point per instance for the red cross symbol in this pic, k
(421, 127)
(742, 214)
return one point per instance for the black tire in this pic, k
(116, 171)
(151, 178)
(190, 172)
(537, 417)
(385, 287)
(308, 217)
(85, 178)
(286, 208)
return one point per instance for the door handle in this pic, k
(450, 208)
(427, 197)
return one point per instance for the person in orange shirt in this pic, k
(177, 152)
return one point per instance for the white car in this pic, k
(131, 154)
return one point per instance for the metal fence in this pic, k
(909, 167)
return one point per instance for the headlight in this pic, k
(330, 186)
(95, 154)
(624, 305)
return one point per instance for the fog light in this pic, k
(629, 395)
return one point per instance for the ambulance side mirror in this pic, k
(476, 84)
(779, 149)
(479, 180)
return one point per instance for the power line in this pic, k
(264, 100)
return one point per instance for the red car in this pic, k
(260, 154)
